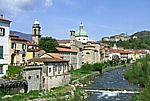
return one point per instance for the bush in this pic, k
(98, 67)
(86, 67)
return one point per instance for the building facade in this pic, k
(4, 35)
(53, 73)
(17, 50)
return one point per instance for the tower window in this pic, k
(34, 31)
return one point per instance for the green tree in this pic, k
(48, 44)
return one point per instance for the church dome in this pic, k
(81, 31)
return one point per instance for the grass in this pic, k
(12, 70)
(76, 74)
(56, 94)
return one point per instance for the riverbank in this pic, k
(111, 86)
(87, 79)
(69, 92)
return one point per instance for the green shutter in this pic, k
(1, 52)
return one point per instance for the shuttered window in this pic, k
(23, 46)
(2, 32)
(1, 52)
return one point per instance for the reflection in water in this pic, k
(111, 79)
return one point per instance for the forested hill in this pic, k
(142, 34)
(142, 42)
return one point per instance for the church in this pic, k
(87, 51)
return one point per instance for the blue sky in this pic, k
(100, 18)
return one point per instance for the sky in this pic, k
(101, 18)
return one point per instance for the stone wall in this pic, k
(56, 81)
(34, 78)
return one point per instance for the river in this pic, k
(111, 79)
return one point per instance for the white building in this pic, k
(4, 36)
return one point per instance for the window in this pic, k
(61, 67)
(34, 31)
(65, 66)
(29, 77)
(23, 46)
(2, 32)
(87, 53)
(50, 70)
(1, 52)
(55, 68)
(13, 45)
(1, 70)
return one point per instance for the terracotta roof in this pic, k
(65, 49)
(55, 55)
(63, 41)
(5, 19)
(47, 60)
(19, 39)
(13, 35)
(31, 44)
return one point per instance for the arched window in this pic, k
(34, 31)
(87, 53)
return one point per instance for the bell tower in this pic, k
(36, 32)
(72, 37)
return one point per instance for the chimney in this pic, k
(1, 16)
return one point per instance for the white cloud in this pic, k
(48, 2)
(12, 7)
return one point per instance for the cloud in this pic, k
(12, 7)
(48, 2)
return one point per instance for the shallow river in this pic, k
(111, 79)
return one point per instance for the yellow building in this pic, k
(17, 50)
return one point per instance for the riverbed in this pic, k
(111, 79)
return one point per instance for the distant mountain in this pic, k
(23, 35)
(142, 34)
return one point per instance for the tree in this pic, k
(48, 44)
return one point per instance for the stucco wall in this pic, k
(56, 81)
(4, 42)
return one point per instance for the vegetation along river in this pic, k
(111, 79)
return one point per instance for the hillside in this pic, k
(142, 34)
(22, 35)
(142, 42)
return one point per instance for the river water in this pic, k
(111, 79)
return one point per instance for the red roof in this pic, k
(31, 44)
(56, 55)
(5, 19)
(63, 41)
(65, 49)
(47, 60)
(15, 37)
